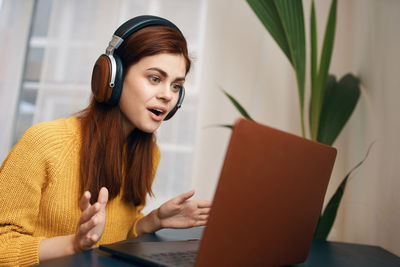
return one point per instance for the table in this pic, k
(322, 253)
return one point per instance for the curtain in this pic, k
(15, 19)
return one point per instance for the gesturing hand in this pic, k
(91, 224)
(180, 212)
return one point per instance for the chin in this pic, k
(149, 128)
(149, 131)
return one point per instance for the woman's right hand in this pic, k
(91, 224)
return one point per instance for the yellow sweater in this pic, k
(39, 193)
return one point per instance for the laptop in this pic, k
(265, 208)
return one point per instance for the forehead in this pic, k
(172, 64)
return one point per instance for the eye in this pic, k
(154, 78)
(176, 87)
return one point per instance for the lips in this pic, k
(157, 113)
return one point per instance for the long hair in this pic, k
(109, 159)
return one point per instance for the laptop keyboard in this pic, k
(182, 258)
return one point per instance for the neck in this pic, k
(127, 126)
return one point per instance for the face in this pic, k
(151, 90)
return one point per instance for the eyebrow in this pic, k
(164, 74)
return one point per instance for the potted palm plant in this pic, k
(332, 101)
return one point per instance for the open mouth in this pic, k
(157, 112)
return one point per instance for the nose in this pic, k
(164, 93)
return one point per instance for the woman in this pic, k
(72, 184)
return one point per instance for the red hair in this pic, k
(106, 157)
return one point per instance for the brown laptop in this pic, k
(265, 208)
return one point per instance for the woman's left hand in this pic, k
(180, 212)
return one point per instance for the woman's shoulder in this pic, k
(59, 127)
(56, 131)
(46, 141)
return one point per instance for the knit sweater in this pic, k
(39, 193)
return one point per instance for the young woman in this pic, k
(71, 184)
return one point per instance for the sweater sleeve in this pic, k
(139, 214)
(22, 176)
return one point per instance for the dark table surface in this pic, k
(322, 253)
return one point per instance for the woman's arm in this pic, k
(22, 178)
(24, 175)
(55, 247)
(179, 212)
(88, 231)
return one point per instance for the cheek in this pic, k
(129, 94)
(139, 90)
(127, 100)
(123, 101)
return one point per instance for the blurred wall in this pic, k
(368, 38)
(241, 58)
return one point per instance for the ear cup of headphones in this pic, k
(101, 78)
(118, 82)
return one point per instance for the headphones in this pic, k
(108, 71)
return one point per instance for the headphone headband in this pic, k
(133, 25)
(140, 22)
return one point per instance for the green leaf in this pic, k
(317, 92)
(284, 20)
(237, 105)
(292, 17)
(340, 100)
(226, 126)
(220, 125)
(331, 82)
(327, 47)
(314, 45)
(314, 50)
(328, 217)
(268, 15)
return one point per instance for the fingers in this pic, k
(86, 235)
(204, 211)
(103, 196)
(84, 203)
(204, 204)
(202, 217)
(89, 213)
(84, 228)
(200, 223)
(88, 227)
(86, 242)
(185, 196)
(92, 221)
